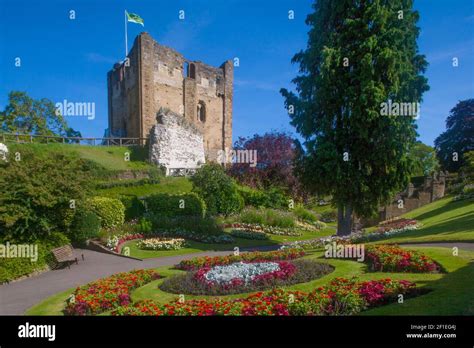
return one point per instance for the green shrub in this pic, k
(197, 224)
(134, 207)
(268, 217)
(110, 211)
(218, 190)
(252, 216)
(86, 225)
(144, 226)
(279, 218)
(13, 268)
(252, 197)
(35, 193)
(304, 214)
(172, 205)
(273, 198)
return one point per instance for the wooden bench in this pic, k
(65, 254)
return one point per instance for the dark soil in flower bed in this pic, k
(306, 270)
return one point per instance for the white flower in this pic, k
(3, 152)
(243, 271)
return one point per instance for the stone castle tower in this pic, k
(157, 77)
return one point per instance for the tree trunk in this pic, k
(344, 220)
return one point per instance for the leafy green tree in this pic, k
(424, 159)
(218, 190)
(458, 138)
(26, 115)
(359, 55)
(36, 193)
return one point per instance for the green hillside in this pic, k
(443, 221)
(109, 157)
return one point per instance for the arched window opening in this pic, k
(201, 111)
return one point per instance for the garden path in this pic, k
(17, 297)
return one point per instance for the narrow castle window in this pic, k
(192, 71)
(201, 111)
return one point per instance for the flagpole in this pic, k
(126, 40)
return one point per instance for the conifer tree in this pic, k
(360, 54)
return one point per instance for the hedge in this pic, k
(13, 268)
(171, 205)
(110, 211)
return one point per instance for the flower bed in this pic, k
(257, 256)
(115, 242)
(244, 273)
(247, 234)
(161, 244)
(242, 277)
(392, 258)
(107, 293)
(340, 297)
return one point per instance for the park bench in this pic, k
(65, 254)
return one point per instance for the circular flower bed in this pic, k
(161, 244)
(244, 277)
(340, 297)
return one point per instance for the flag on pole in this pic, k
(134, 18)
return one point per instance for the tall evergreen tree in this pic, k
(360, 54)
(458, 138)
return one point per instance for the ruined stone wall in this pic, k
(201, 93)
(432, 189)
(175, 142)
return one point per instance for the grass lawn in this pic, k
(167, 185)
(443, 221)
(451, 292)
(109, 157)
(195, 247)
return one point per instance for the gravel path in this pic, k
(17, 297)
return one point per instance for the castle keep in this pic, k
(158, 78)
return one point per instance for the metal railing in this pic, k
(50, 139)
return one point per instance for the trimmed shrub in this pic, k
(86, 225)
(169, 205)
(110, 211)
(218, 190)
(134, 207)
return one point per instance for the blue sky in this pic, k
(69, 59)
